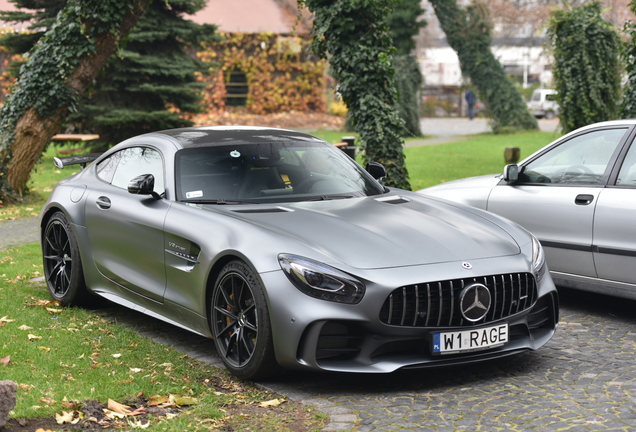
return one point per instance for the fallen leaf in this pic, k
(271, 403)
(26, 387)
(53, 310)
(47, 401)
(135, 370)
(112, 414)
(157, 400)
(137, 424)
(33, 337)
(43, 348)
(117, 355)
(117, 407)
(24, 327)
(139, 411)
(65, 417)
(184, 400)
(5, 319)
(5, 360)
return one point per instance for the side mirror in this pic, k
(511, 173)
(376, 170)
(143, 185)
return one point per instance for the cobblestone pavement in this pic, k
(584, 379)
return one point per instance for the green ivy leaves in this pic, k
(586, 69)
(353, 35)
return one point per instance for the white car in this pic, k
(543, 103)
(578, 196)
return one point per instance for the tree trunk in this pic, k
(34, 131)
(468, 33)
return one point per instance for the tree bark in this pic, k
(468, 33)
(34, 132)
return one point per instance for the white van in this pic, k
(543, 103)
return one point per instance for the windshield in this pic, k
(270, 172)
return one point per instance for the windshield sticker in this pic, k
(235, 154)
(194, 194)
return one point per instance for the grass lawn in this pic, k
(477, 155)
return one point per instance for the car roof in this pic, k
(210, 136)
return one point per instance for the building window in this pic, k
(236, 88)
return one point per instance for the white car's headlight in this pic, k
(320, 280)
(538, 259)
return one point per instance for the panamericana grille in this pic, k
(436, 304)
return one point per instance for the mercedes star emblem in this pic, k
(474, 302)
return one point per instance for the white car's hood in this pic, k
(472, 191)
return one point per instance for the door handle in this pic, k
(583, 199)
(103, 202)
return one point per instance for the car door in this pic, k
(614, 227)
(126, 230)
(557, 194)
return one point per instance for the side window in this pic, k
(580, 160)
(127, 164)
(627, 174)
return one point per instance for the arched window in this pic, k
(236, 88)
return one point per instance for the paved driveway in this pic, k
(450, 129)
(584, 379)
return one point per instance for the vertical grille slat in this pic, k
(416, 313)
(437, 304)
(404, 303)
(430, 301)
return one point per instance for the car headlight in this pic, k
(538, 259)
(320, 280)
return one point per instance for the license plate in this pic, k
(470, 340)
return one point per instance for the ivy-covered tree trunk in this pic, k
(468, 33)
(355, 35)
(60, 68)
(628, 55)
(586, 68)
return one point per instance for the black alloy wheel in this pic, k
(240, 323)
(62, 264)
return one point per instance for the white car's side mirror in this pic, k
(511, 173)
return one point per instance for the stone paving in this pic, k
(584, 379)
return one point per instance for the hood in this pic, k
(472, 191)
(390, 231)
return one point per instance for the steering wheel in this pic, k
(307, 184)
(574, 172)
(580, 168)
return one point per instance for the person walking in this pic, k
(470, 100)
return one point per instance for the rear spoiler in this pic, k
(82, 160)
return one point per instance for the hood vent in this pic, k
(263, 210)
(393, 200)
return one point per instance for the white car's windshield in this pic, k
(269, 172)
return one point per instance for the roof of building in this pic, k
(244, 16)
(237, 16)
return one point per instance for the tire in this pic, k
(549, 115)
(241, 324)
(62, 263)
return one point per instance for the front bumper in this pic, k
(321, 335)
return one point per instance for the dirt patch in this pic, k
(286, 120)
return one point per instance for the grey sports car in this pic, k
(578, 196)
(288, 254)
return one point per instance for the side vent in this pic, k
(394, 200)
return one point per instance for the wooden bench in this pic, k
(74, 137)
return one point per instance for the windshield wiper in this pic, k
(219, 201)
(330, 197)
